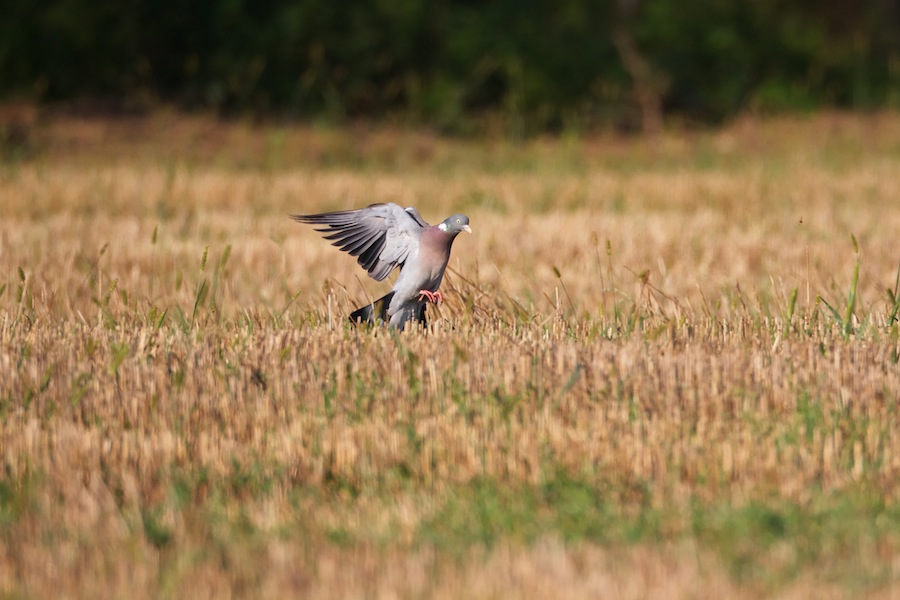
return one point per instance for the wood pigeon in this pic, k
(384, 236)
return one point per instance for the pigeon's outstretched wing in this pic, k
(385, 236)
(415, 215)
(381, 236)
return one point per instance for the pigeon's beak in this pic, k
(467, 229)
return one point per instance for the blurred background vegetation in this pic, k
(521, 66)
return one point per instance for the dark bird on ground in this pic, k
(385, 236)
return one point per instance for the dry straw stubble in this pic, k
(182, 400)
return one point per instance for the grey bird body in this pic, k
(384, 237)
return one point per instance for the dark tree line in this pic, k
(535, 64)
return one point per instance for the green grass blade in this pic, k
(834, 312)
(792, 305)
(851, 301)
(894, 298)
(198, 299)
(851, 296)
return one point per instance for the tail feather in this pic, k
(373, 314)
(377, 312)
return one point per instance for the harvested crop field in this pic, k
(664, 367)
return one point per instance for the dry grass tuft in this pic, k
(655, 373)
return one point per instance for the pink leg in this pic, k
(436, 297)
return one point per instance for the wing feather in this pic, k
(381, 236)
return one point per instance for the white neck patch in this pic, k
(443, 227)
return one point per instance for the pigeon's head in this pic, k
(455, 224)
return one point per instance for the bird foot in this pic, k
(436, 297)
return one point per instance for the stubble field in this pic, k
(663, 368)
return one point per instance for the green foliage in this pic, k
(16, 498)
(893, 298)
(539, 65)
(769, 541)
(846, 321)
(157, 533)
